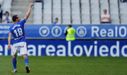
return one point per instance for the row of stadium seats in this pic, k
(6, 5)
(70, 11)
(1, 1)
(19, 7)
(83, 11)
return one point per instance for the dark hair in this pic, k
(70, 25)
(14, 18)
(6, 13)
(105, 10)
(56, 18)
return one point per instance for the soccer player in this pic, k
(19, 43)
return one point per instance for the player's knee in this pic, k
(25, 55)
(14, 56)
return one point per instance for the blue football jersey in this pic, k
(17, 31)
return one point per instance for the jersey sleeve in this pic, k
(10, 29)
(22, 22)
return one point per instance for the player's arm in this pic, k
(28, 11)
(66, 33)
(9, 40)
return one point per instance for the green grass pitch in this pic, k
(67, 66)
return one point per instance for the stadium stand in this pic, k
(123, 12)
(66, 15)
(95, 11)
(57, 10)
(47, 12)
(114, 11)
(7, 5)
(37, 13)
(1, 2)
(104, 5)
(19, 7)
(123, 0)
(75, 11)
(85, 12)
(69, 11)
(38, 0)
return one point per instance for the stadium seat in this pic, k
(95, 14)
(1, 2)
(37, 15)
(66, 10)
(85, 11)
(47, 12)
(7, 5)
(123, 13)
(72, 11)
(38, 0)
(104, 4)
(75, 12)
(19, 7)
(57, 10)
(114, 11)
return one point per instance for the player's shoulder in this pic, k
(23, 20)
(13, 26)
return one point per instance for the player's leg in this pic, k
(14, 58)
(23, 52)
(14, 63)
(26, 63)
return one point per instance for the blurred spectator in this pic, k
(105, 17)
(7, 18)
(56, 21)
(123, 0)
(1, 14)
(70, 33)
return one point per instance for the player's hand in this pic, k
(31, 4)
